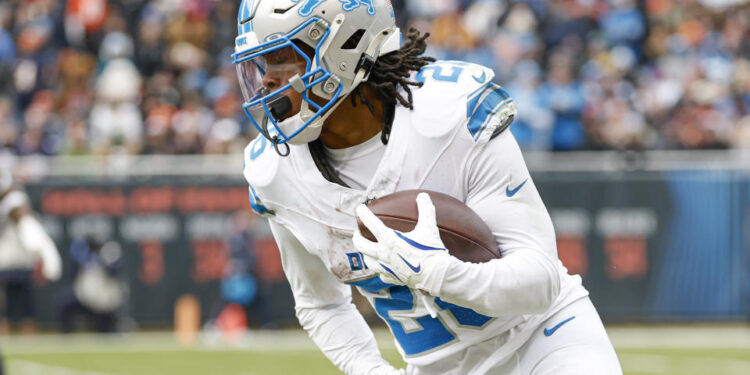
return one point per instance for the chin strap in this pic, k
(276, 144)
(274, 139)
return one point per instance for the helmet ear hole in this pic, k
(309, 51)
(353, 40)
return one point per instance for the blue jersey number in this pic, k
(446, 71)
(259, 145)
(414, 339)
(420, 334)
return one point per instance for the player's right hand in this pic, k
(417, 259)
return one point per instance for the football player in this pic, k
(348, 111)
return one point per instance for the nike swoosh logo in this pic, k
(481, 78)
(416, 244)
(511, 192)
(549, 331)
(415, 269)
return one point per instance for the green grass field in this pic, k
(641, 352)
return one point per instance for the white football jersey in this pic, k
(452, 142)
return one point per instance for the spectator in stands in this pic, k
(246, 283)
(533, 125)
(115, 118)
(8, 127)
(239, 285)
(562, 94)
(7, 57)
(611, 74)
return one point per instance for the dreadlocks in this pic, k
(390, 73)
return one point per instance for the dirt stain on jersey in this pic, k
(339, 244)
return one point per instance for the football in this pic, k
(464, 233)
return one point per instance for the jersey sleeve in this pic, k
(527, 278)
(324, 309)
(457, 92)
(489, 111)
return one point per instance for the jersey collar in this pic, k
(345, 199)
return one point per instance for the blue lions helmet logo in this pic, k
(350, 5)
(308, 6)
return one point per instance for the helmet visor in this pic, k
(267, 73)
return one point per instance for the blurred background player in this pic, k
(98, 291)
(23, 243)
(244, 283)
(238, 285)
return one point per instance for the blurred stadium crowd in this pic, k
(155, 76)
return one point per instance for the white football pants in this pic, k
(571, 342)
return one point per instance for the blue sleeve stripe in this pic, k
(256, 206)
(476, 95)
(372, 285)
(491, 105)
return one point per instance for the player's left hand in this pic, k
(417, 259)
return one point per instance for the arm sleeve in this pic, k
(324, 309)
(526, 279)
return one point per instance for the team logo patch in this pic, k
(350, 5)
(308, 6)
(356, 262)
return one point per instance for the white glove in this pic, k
(417, 259)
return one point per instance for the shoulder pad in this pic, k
(489, 110)
(459, 93)
(261, 166)
(261, 162)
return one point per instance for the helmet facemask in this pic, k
(277, 78)
(293, 80)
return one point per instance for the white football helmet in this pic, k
(290, 49)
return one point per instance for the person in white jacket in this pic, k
(23, 243)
